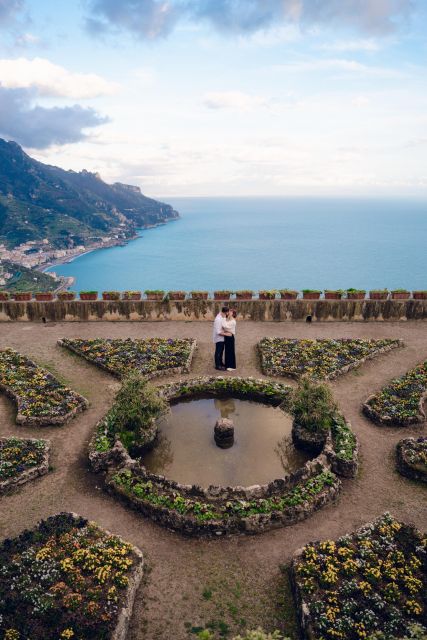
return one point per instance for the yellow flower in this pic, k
(11, 634)
(67, 633)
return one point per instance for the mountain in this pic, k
(68, 208)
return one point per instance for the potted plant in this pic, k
(333, 294)
(132, 295)
(311, 294)
(4, 295)
(222, 295)
(44, 296)
(176, 295)
(244, 294)
(88, 295)
(155, 294)
(22, 296)
(66, 295)
(400, 294)
(199, 295)
(111, 295)
(267, 295)
(419, 295)
(313, 410)
(378, 294)
(288, 294)
(356, 294)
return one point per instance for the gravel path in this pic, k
(233, 582)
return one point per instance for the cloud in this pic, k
(52, 80)
(150, 19)
(235, 100)
(8, 10)
(366, 44)
(338, 64)
(40, 127)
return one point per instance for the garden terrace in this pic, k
(322, 359)
(40, 398)
(22, 460)
(198, 581)
(151, 357)
(217, 510)
(67, 579)
(411, 458)
(372, 583)
(400, 403)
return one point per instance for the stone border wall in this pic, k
(389, 421)
(256, 310)
(29, 474)
(149, 376)
(404, 465)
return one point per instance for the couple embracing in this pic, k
(224, 333)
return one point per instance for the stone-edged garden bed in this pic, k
(216, 510)
(151, 357)
(368, 584)
(41, 400)
(322, 359)
(411, 458)
(22, 460)
(401, 403)
(67, 579)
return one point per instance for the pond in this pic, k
(186, 451)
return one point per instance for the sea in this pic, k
(268, 243)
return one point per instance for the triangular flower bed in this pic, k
(40, 398)
(67, 580)
(400, 403)
(322, 359)
(22, 460)
(151, 356)
(369, 584)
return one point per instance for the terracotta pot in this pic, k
(288, 295)
(266, 296)
(23, 297)
(132, 296)
(332, 295)
(66, 295)
(312, 295)
(4, 295)
(88, 296)
(199, 296)
(378, 295)
(158, 297)
(44, 297)
(177, 295)
(244, 296)
(356, 295)
(109, 296)
(400, 295)
(219, 295)
(420, 295)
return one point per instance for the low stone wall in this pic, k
(405, 465)
(256, 310)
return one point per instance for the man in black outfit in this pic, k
(218, 338)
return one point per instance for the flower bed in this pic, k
(411, 458)
(323, 359)
(22, 460)
(370, 584)
(67, 580)
(150, 357)
(40, 398)
(194, 510)
(401, 403)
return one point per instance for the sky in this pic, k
(222, 97)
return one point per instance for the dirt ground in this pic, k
(233, 583)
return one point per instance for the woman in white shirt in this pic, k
(229, 331)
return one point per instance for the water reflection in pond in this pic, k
(186, 450)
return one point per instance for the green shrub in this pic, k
(137, 403)
(257, 634)
(312, 406)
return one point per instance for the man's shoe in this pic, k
(220, 368)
